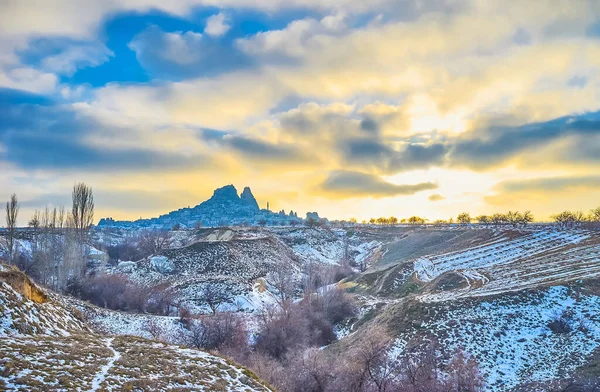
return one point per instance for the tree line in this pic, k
(566, 219)
(59, 239)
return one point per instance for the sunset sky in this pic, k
(352, 108)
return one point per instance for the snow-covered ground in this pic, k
(510, 336)
(21, 316)
(507, 264)
(90, 363)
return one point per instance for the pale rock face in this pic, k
(126, 266)
(162, 264)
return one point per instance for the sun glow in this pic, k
(425, 117)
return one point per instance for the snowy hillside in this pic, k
(525, 304)
(27, 310)
(46, 345)
(512, 264)
(92, 363)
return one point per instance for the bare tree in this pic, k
(463, 218)
(214, 296)
(483, 219)
(153, 242)
(527, 217)
(83, 208)
(416, 220)
(595, 214)
(81, 219)
(371, 359)
(282, 279)
(498, 219)
(569, 219)
(12, 212)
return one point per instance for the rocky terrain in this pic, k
(237, 261)
(224, 208)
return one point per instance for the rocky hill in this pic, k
(224, 208)
(47, 346)
(233, 261)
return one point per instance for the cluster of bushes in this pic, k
(117, 292)
(287, 353)
(566, 321)
(141, 245)
(308, 323)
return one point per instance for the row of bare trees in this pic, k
(392, 220)
(570, 219)
(59, 240)
(565, 219)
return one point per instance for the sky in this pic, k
(350, 108)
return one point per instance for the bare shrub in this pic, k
(224, 332)
(282, 332)
(154, 329)
(562, 322)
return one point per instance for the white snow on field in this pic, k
(329, 246)
(511, 339)
(122, 323)
(504, 264)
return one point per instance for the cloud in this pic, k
(254, 148)
(57, 137)
(294, 40)
(75, 57)
(547, 195)
(216, 25)
(116, 199)
(549, 184)
(256, 151)
(347, 184)
(377, 154)
(436, 197)
(491, 146)
(28, 79)
(218, 102)
(179, 55)
(324, 120)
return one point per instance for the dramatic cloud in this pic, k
(457, 96)
(483, 148)
(53, 136)
(355, 184)
(382, 156)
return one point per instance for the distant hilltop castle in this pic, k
(224, 208)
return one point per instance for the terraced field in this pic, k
(512, 262)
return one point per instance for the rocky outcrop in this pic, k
(224, 208)
(248, 198)
(22, 284)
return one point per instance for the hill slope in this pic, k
(526, 304)
(46, 346)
